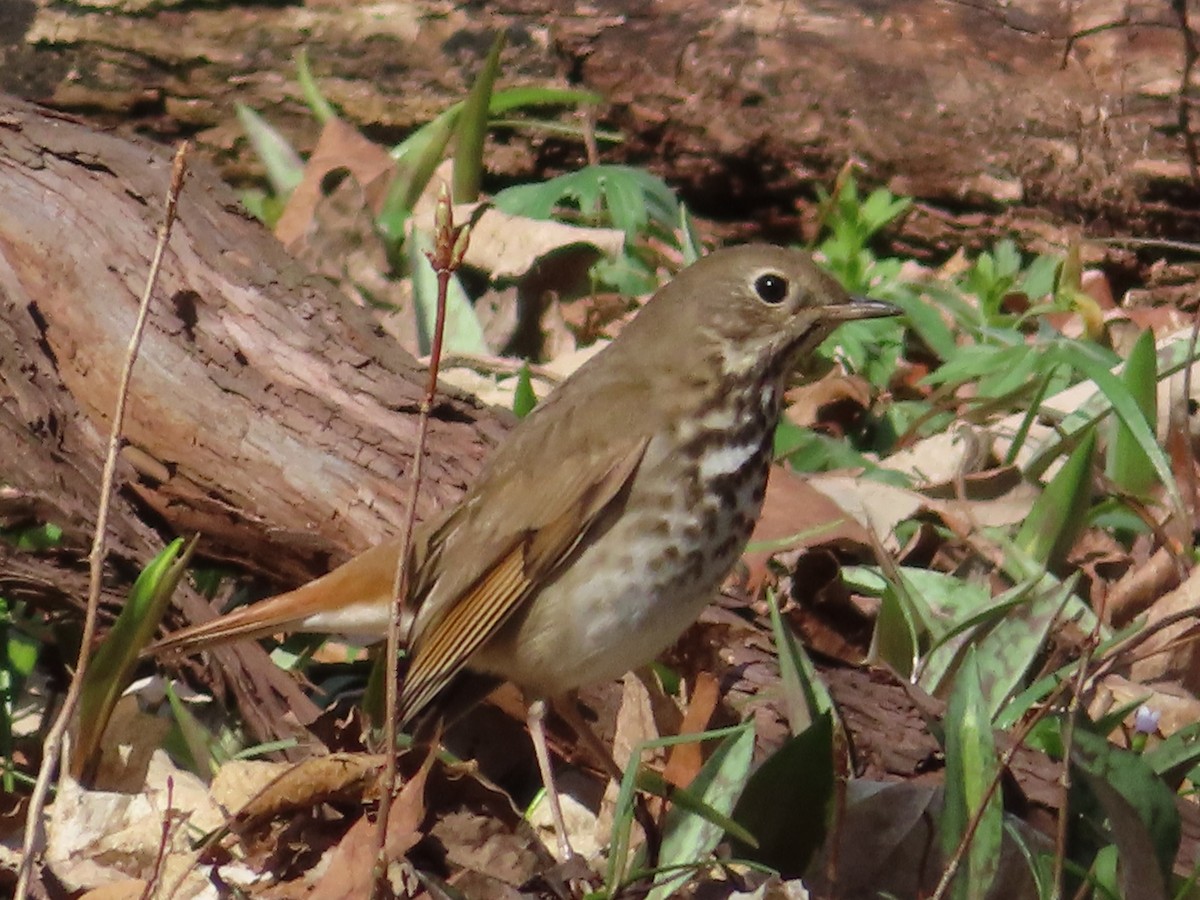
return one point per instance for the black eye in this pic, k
(771, 288)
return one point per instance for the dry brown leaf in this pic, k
(508, 246)
(806, 403)
(340, 146)
(350, 873)
(685, 759)
(1140, 587)
(307, 783)
(1174, 707)
(797, 514)
(130, 889)
(1172, 653)
(103, 837)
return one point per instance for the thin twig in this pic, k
(164, 839)
(450, 245)
(52, 748)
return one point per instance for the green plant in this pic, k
(639, 204)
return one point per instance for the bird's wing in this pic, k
(461, 613)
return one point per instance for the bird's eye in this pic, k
(771, 288)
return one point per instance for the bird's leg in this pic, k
(536, 718)
(569, 710)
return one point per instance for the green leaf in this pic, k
(18, 656)
(1090, 362)
(706, 798)
(1128, 466)
(1174, 758)
(1006, 652)
(113, 663)
(689, 237)
(1139, 813)
(472, 128)
(193, 744)
(786, 803)
(805, 697)
(321, 109)
(899, 627)
(524, 399)
(630, 199)
(416, 161)
(1059, 514)
(521, 97)
(283, 164)
(971, 767)
(688, 838)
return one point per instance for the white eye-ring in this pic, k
(771, 287)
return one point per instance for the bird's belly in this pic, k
(624, 600)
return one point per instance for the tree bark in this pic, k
(1031, 119)
(266, 412)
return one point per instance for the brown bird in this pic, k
(609, 517)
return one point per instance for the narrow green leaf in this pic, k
(1139, 813)
(651, 782)
(1091, 364)
(472, 128)
(283, 164)
(636, 775)
(689, 838)
(1177, 755)
(971, 766)
(896, 639)
(1128, 466)
(786, 802)
(113, 663)
(321, 108)
(193, 740)
(416, 161)
(520, 97)
(1059, 514)
(689, 238)
(524, 399)
(805, 697)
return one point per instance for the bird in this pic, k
(607, 518)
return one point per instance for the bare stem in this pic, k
(449, 246)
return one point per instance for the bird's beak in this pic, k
(861, 308)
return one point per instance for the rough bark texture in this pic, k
(266, 412)
(1001, 118)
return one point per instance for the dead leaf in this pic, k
(1173, 707)
(350, 872)
(340, 146)
(807, 404)
(129, 889)
(686, 759)
(1172, 652)
(304, 785)
(104, 837)
(510, 246)
(795, 514)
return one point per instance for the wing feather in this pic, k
(455, 627)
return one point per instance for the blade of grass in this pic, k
(472, 128)
(1128, 466)
(114, 661)
(321, 108)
